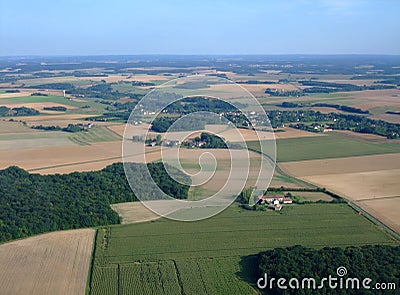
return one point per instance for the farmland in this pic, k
(206, 256)
(371, 182)
(335, 145)
(151, 255)
(54, 263)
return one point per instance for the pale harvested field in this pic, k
(342, 165)
(384, 210)
(388, 117)
(18, 94)
(360, 185)
(133, 212)
(258, 90)
(116, 78)
(7, 127)
(121, 128)
(295, 133)
(221, 130)
(354, 82)
(66, 159)
(34, 158)
(376, 98)
(53, 263)
(367, 179)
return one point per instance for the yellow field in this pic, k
(53, 263)
(8, 127)
(221, 130)
(133, 212)
(18, 94)
(116, 78)
(360, 185)
(370, 181)
(385, 209)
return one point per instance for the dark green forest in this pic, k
(22, 111)
(380, 263)
(33, 203)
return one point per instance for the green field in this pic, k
(128, 88)
(211, 256)
(95, 134)
(334, 145)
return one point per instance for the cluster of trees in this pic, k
(55, 86)
(102, 91)
(255, 82)
(339, 107)
(87, 74)
(140, 83)
(22, 111)
(336, 121)
(117, 111)
(380, 263)
(161, 124)
(390, 80)
(39, 94)
(198, 104)
(329, 87)
(324, 87)
(207, 141)
(32, 203)
(56, 108)
(70, 128)
(287, 93)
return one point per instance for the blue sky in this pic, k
(95, 27)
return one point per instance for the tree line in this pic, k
(344, 108)
(33, 203)
(380, 263)
(22, 111)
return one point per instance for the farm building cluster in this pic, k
(274, 202)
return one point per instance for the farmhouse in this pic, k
(274, 201)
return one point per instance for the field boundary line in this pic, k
(116, 133)
(91, 264)
(375, 220)
(377, 199)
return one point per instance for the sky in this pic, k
(98, 27)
